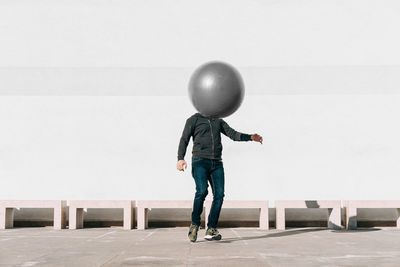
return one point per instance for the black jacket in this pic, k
(206, 133)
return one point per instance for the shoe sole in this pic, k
(194, 240)
(213, 237)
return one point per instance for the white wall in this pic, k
(93, 97)
(325, 147)
(171, 33)
(290, 80)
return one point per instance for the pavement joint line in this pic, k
(348, 256)
(28, 263)
(37, 259)
(227, 257)
(263, 259)
(147, 236)
(109, 261)
(237, 235)
(189, 261)
(112, 258)
(103, 235)
(41, 236)
(10, 230)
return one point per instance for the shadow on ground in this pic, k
(289, 233)
(271, 235)
(358, 230)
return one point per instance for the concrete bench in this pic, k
(143, 206)
(333, 206)
(7, 211)
(351, 207)
(244, 204)
(76, 212)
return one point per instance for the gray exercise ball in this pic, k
(216, 89)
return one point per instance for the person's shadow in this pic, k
(270, 235)
(289, 233)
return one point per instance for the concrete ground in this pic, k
(170, 247)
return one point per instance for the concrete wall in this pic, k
(181, 33)
(93, 97)
(107, 147)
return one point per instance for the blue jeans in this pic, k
(206, 171)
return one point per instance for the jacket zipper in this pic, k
(212, 138)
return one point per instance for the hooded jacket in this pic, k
(206, 133)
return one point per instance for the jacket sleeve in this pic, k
(185, 138)
(232, 134)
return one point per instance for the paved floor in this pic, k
(170, 247)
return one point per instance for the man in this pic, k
(207, 166)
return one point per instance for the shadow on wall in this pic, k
(312, 204)
(229, 218)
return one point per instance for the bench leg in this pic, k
(75, 218)
(335, 219)
(2, 218)
(142, 218)
(72, 218)
(6, 218)
(60, 217)
(79, 218)
(134, 217)
(280, 218)
(264, 223)
(351, 218)
(128, 218)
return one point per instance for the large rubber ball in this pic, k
(216, 89)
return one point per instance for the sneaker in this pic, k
(212, 234)
(193, 229)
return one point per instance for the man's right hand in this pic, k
(181, 165)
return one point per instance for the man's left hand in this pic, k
(257, 138)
